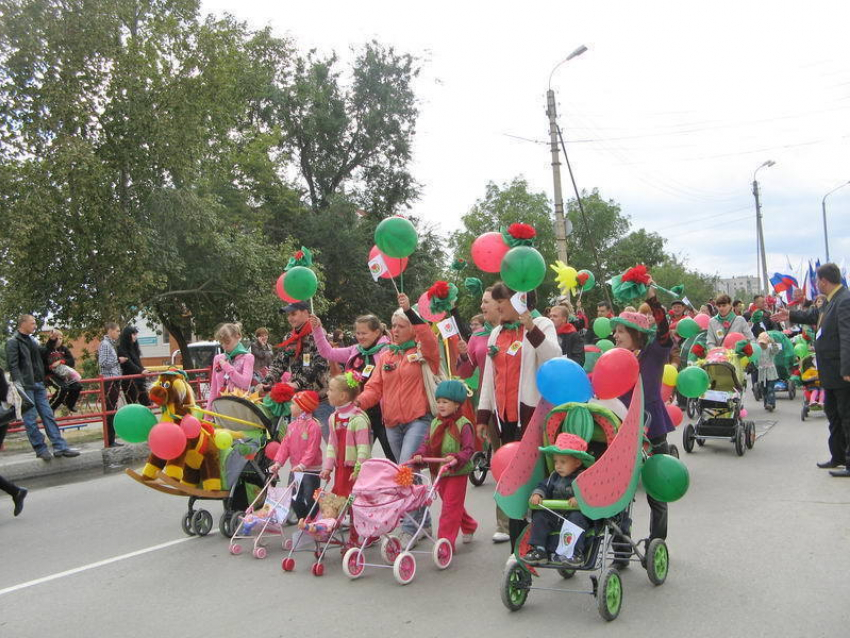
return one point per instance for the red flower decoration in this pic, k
(404, 476)
(581, 278)
(637, 275)
(522, 231)
(282, 392)
(299, 254)
(440, 290)
(698, 350)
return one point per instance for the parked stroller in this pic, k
(324, 526)
(719, 409)
(385, 493)
(813, 394)
(265, 517)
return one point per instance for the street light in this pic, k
(823, 207)
(560, 222)
(759, 230)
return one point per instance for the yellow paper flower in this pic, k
(566, 276)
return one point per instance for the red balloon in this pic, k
(395, 266)
(278, 288)
(731, 339)
(702, 320)
(488, 250)
(167, 440)
(675, 413)
(271, 450)
(502, 458)
(615, 373)
(667, 392)
(191, 426)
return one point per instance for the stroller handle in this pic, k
(429, 459)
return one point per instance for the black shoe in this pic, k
(577, 560)
(536, 557)
(116, 444)
(829, 465)
(45, 456)
(69, 452)
(19, 500)
(844, 472)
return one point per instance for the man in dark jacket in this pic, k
(569, 338)
(832, 349)
(24, 356)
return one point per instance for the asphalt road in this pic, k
(760, 546)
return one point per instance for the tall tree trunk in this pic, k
(177, 332)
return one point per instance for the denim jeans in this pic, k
(769, 390)
(405, 439)
(38, 394)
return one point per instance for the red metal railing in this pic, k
(95, 390)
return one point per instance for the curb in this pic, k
(27, 466)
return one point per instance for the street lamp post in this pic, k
(823, 207)
(560, 220)
(759, 229)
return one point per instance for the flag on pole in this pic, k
(377, 266)
(448, 327)
(568, 539)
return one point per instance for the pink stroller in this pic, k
(325, 529)
(261, 521)
(383, 495)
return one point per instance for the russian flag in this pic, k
(781, 282)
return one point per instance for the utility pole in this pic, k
(560, 223)
(761, 238)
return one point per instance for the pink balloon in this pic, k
(502, 458)
(617, 375)
(731, 339)
(667, 392)
(488, 250)
(271, 450)
(395, 266)
(702, 320)
(278, 288)
(424, 307)
(191, 426)
(676, 415)
(167, 440)
(744, 413)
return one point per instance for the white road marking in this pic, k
(84, 568)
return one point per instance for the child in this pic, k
(569, 457)
(767, 374)
(349, 440)
(302, 446)
(63, 372)
(330, 505)
(451, 436)
(233, 369)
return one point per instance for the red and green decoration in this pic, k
(585, 280)
(298, 282)
(523, 267)
(632, 285)
(459, 264)
(442, 297)
(301, 257)
(474, 286)
(518, 235)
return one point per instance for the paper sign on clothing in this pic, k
(377, 266)
(520, 302)
(570, 533)
(448, 327)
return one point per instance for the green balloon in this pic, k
(300, 283)
(590, 359)
(591, 280)
(665, 478)
(396, 237)
(692, 382)
(523, 268)
(133, 423)
(605, 344)
(602, 327)
(801, 350)
(687, 328)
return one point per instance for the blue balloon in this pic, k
(562, 380)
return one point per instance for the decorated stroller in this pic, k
(324, 528)
(383, 495)
(784, 362)
(813, 394)
(719, 409)
(693, 349)
(604, 493)
(264, 517)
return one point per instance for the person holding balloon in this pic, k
(233, 369)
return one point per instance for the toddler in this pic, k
(767, 374)
(60, 370)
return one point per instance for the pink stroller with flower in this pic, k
(384, 494)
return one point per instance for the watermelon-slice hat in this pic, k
(571, 445)
(636, 321)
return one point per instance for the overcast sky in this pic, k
(669, 112)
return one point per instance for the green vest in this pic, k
(451, 446)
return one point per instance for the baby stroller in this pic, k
(604, 492)
(264, 517)
(383, 495)
(719, 409)
(330, 535)
(813, 394)
(784, 362)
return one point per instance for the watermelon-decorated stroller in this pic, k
(693, 349)
(784, 361)
(604, 493)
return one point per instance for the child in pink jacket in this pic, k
(233, 370)
(302, 447)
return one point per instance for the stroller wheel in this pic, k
(515, 583)
(674, 451)
(688, 437)
(566, 574)
(804, 412)
(750, 428)
(224, 524)
(353, 563)
(202, 522)
(479, 469)
(443, 553)
(700, 441)
(609, 596)
(657, 561)
(236, 549)
(740, 441)
(287, 544)
(317, 569)
(288, 564)
(404, 568)
(260, 552)
(186, 524)
(390, 549)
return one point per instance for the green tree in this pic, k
(638, 247)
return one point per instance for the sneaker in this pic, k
(537, 556)
(406, 538)
(577, 560)
(501, 537)
(19, 500)
(45, 456)
(467, 538)
(70, 452)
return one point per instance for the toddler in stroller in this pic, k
(813, 394)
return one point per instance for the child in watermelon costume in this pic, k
(451, 436)
(570, 457)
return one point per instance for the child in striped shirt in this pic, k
(349, 436)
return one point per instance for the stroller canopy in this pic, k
(380, 501)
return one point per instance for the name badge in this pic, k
(304, 435)
(514, 348)
(413, 357)
(305, 359)
(367, 372)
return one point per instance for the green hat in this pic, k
(453, 390)
(571, 445)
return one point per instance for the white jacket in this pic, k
(716, 333)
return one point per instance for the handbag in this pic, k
(27, 402)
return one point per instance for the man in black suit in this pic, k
(832, 348)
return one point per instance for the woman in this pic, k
(263, 354)
(725, 322)
(135, 390)
(649, 338)
(66, 393)
(232, 370)
(398, 384)
(363, 358)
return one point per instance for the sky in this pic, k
(669, 112)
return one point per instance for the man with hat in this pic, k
(299, 356)
(570, 457)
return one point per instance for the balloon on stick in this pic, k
(300, 283)
(133, 423)
(687, 328)
(702, 320)
(615, 373)
(281, 292)
(395, 265)
(167, 440)
(562, 380)
(396, 237)
(523, 268)
(488, 250)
